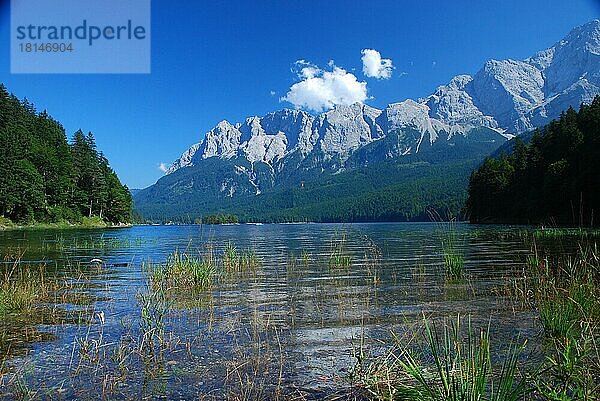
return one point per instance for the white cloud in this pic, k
(374, 66)
(163, 167)
(320, 90)
(272, 93)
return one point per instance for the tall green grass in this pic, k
(453, 249)
(338, 257)
(567, 291)
(566, 294)
(182, 270)
(444, 364)
(234, 260)
(21, 287)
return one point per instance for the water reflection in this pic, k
(290, 325)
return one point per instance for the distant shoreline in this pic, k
(61, 226)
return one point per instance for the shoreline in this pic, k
(62, 226)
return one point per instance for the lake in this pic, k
(292, 324)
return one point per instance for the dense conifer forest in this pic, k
(552, 179)
(46, 179)
(386, 191)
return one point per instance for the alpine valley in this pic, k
(358, 163)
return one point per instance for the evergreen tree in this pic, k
(553, 179)
(43, 178)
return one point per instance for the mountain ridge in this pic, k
(527, 91)
(468, 118)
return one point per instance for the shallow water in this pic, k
(293, 323)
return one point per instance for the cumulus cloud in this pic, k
(163, 167)
(374, 66)
(320, 90)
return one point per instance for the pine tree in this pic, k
(554, 178)
(46, 179)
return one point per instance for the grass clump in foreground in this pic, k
(567, 291)
(182, 270)
(443, 365)
(20, 289)
(239, 261)
(22, 286)
(564, 290)
(567, 296)
(338, 254)
(453, 249)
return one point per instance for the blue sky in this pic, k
(213, 61)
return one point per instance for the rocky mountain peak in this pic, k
(505, 97)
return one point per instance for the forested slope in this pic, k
(553, 179)
(44, 178)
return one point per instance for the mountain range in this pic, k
(264, 161)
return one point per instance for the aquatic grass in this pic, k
(138, 353)
(562, 313)
(90, 348)
(248, 260)
(297, 266)
(337, 260)
(21, 287)
(17, 298)
(22, 390)
(305, 256)
(95, 243)
(554, 233)
(338, 254)
(571, 371)
(182, 270)
(291, 263)
(154, 306)
(453, 244)
(443, 364)
(532, 261)
(234, 261)
(256, 371)
(453, 250)
(558, 317)
(517, 291)
(230, 255)
(454, 265)
(372, 260)
(19, 290)
(567, 291)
